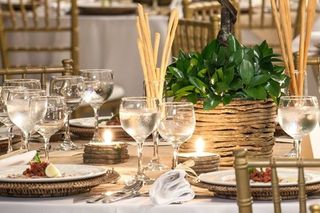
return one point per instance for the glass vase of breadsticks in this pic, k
(154, 72)
(281, 12)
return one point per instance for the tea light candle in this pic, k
(107, 152)
(203, 161)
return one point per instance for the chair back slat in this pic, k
(193, 35)
(23, 14)
(302, 191)
(209, 11)
(241, 165)
(244, 198)
(34, 14)
(315, 208)
(276, 198)
(35, 17)
(43, 71)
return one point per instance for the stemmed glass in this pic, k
(22, 114)
(298, 116)
(27, 83)
(98, 87)
(71, 88)
(53, 120)
(154, 89)
(177, 124)
(4, 118)
(139, 117)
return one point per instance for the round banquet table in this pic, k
(203, 202)
(105, 42)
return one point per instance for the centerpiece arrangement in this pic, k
(235, 90)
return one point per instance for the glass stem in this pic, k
(10, 136)
(67, 138)
(155, 138)
(175, 155)
(297, 147)
(25, 143)
(46, 148)
(140, 149)
(96, 136)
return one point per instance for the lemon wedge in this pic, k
(52, 171)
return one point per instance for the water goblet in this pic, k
(298, 116)
(27, 83)
(71, 88)
(98, 87)
(53, 120)
(154, 89)
(22, 114)
(139, 117)
(177, 124)
(4, 118)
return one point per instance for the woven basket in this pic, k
(240, 124)
(258, 193)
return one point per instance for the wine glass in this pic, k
(177, 124)
(154, 89)
(139, 117)
(98, 87)
(4, 118)
(70, 87)
(298, 116)
(22, 114)
(27, 83)
(53, 120)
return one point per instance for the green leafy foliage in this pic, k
(221, 73)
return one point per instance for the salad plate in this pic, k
(70, 172)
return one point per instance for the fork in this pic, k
(136, 185)
(124, 195)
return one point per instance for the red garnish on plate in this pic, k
(260, 175)
(36, 169)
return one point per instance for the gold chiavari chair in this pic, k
(37, 17)
(39, 71)
(194, 35)
(208, 11)
(315, 208)
(241, 165)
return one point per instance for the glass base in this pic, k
(66, 146)
(155, 166)
(292, 153)
(146, 180)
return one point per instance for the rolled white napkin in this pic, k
(171, 187)
(19, 159)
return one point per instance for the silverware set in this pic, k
(128, 191)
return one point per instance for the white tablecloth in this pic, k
(136, 205)
(105, 42)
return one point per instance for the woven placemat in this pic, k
(258, 193)
(55, 189)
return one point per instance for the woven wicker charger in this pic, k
(55, 189)
(258, 193)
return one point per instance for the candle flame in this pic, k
(199, 146)
(107, 136)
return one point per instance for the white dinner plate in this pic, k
(69, 173)
(288, 177)
(86, 122)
